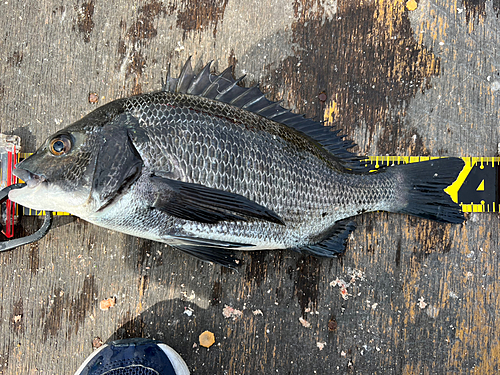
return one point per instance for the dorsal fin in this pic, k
(225, 88)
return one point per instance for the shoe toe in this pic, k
(134, 357)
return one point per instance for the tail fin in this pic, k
(424, 185)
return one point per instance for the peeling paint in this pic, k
(307, 283)
(256, 271)
(371, 69)
(64, 307)
(144, 27)
(132, 61)
(34, 258)
(84, 19)
(16, 318)
(198, 15)
(475, 10)
(16, 59)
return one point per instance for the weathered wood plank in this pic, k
(421, 82)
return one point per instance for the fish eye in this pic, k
(60, 145)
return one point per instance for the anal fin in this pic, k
(333, 245)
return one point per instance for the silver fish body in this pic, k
(209, 167)
(250, 157)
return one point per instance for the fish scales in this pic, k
(239, 154)
(208, 167)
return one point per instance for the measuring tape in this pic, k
(475, 189)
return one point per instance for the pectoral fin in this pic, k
(206, 205)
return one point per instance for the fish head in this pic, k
(85, 166)
(59, 174)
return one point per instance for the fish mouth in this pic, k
(32, 180)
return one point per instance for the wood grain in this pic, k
(422, 298)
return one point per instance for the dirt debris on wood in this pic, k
(231, 313)
(304, 323)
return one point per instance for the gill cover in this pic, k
(118, 163)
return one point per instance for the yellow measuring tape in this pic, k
(476, 187)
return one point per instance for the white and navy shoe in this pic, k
(134, 357)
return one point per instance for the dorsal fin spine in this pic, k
(229, 88)
(271, 106)
(213, 85)
(247, 93)
(196, 83)
(185, 78)
(227, 73)
(225, 88)
(279, 113)
(165, 85)
(249, 104)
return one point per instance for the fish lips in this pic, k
(32, 180)
(29, 196)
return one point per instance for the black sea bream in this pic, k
(208, 167)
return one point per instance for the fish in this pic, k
(211, 167)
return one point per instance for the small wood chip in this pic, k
(421, 303)
(332, 324)
(304, 323)
(93, 98)
(106, 304)
(411, 5)
(207, 339)
(96, 342)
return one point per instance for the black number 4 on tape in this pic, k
(476, 187)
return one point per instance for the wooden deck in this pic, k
(422, 298)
